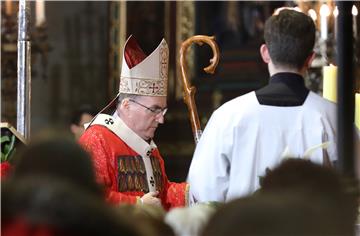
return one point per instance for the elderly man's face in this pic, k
(144, 115)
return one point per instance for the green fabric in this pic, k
(7, 147)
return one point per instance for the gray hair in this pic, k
(122, 96)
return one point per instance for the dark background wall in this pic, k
(76, 71)
(68, 62)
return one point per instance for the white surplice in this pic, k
(243, 138)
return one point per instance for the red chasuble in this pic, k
(123, 171)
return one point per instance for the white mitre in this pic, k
(150, 76)
(140, 74)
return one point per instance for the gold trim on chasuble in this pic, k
(132, 174)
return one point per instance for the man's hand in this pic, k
(151, 199)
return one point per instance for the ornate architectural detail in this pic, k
(164, 60)
(117, 38)
(185, 28)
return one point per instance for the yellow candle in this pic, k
(40, 12)
(357, 110)
(8, 7)
(330, 83)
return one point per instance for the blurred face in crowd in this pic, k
(78, 129)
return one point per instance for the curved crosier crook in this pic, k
(189, 91)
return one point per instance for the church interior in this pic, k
(76, 52)
(76, 56)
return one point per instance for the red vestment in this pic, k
(122, 170)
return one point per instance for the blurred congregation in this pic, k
(107, 128)
(52, 191)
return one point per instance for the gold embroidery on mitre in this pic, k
(147, 87)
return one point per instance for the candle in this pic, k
(354, 12)
(40, 12)
(335, 13)
(312, 14)
(330, 83)
(324, 13)
(357, 110)
(8, 7)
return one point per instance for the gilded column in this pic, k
(185, 28)
(117, 37)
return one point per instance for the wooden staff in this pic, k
(189, 91)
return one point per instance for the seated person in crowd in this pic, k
(81, 116)
(49, 206)
(296, 198)
(60, 158)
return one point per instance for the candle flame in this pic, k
(312, 14)
(324, 10)
(354, 10)
(336, 11)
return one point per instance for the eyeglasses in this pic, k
(156, 111)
